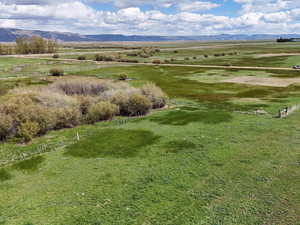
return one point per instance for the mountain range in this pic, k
(10, 35)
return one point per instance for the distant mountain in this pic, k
(10, 35)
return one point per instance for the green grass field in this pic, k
(207, 159)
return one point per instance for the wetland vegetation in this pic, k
(205, 159)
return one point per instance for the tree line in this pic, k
(29, 45)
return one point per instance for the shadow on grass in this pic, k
(117, 143)
(255, 93)
(182, 117)
(178, 146)
(29, 165)
(4, 175)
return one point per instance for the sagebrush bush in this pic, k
(56, 72)
(139, 105)
(28, 130)
(6, 126)
(85, 102)
(53, 98)
(82, 86)
(67, 117)
(156, 61)
(43, 116)
(55, 56)
(155, 95)
(120, 97)
(128, 60)
(123, 76)
(102, 111)
(81, 57)
(104, 58)
(28, 112)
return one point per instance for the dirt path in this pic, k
(264, 81)
(276, 54)
(222, 67)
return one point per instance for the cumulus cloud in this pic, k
(187, 17)
(197, 6)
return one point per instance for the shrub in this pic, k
(155, 95)
(53, 98)
(98, 57)
(104, 58)
(195, 57)
(143, 55)
(172, 60)
(175, 51)
(28, 130)
(56, 72)
(67, 117)
(44, 117)
(133, 54)
(84, 103)
(166, 61)
(55, 56)
(82, 86)
(156, 61)
(6, 125)
(119, 98)
(67, 103)
(33, 112)
(102, 111)
(123, 76)
(81, 57)
(129, 60)
(139, 105)
(186, 58)
(205, 56)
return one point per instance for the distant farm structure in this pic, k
(288, 40)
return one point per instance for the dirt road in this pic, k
(223, 67)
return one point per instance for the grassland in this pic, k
(207, 159)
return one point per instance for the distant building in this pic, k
(288, 39)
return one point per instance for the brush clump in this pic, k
(66, 103)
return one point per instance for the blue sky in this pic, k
(153, 17)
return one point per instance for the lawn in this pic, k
(207, 159)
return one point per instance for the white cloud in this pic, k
(259, 16)
(197, 6)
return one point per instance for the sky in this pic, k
(153, 17)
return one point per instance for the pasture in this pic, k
(207, 158)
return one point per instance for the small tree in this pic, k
(123, 76)
(56, 72)
(81, 57)
(156, 61)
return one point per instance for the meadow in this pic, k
(207, 158)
